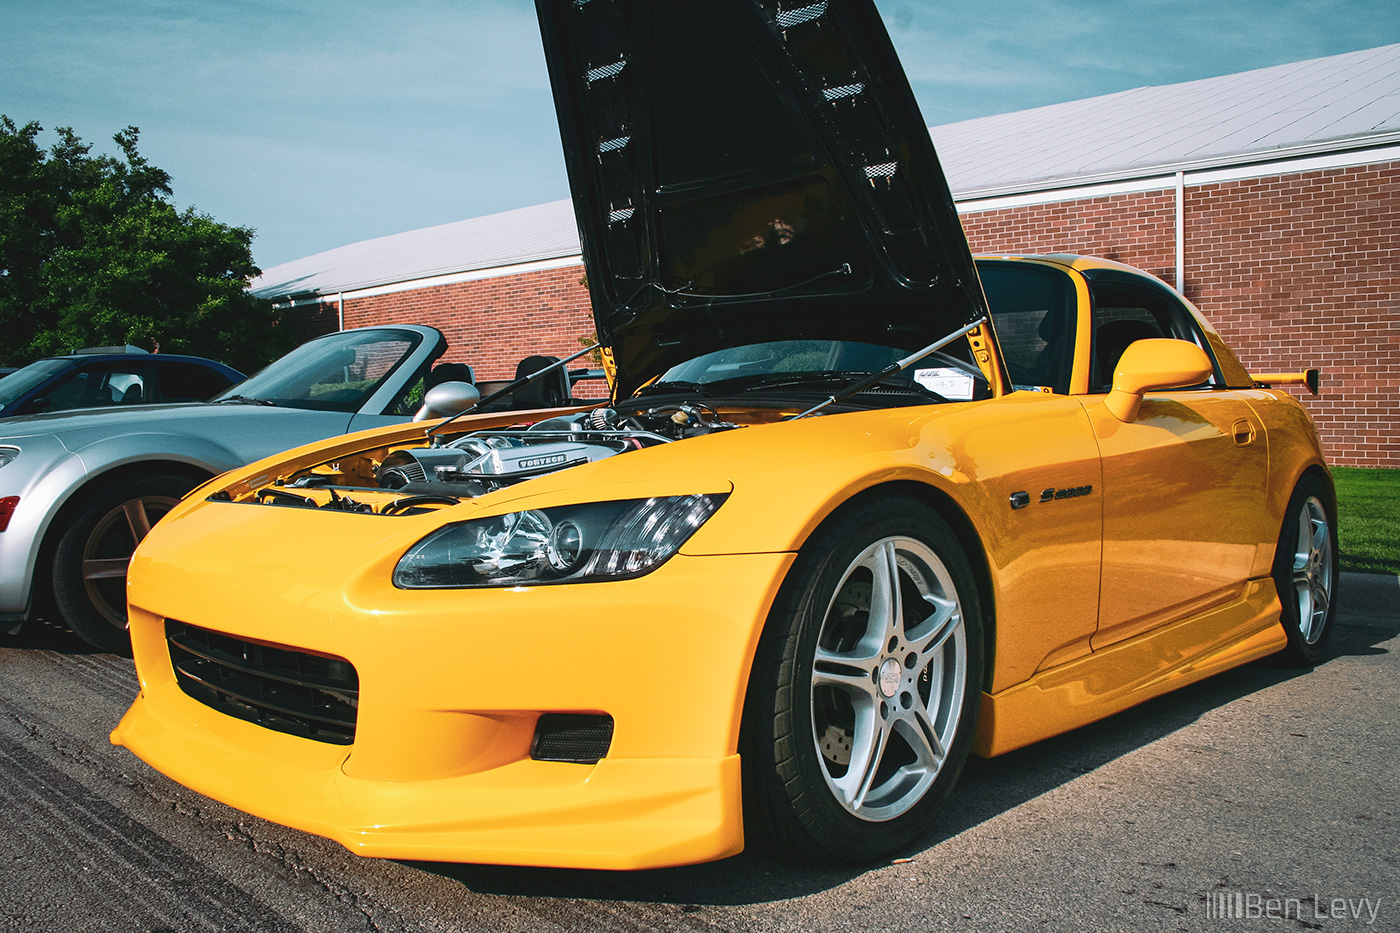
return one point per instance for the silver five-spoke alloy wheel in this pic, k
(1305, 569)
(94, 548)
(108, 550)
(888, 678)
(1313, 569)
(865, 689)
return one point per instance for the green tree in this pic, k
(93, 253)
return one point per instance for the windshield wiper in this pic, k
(247, 400)
(689, 388)
(779, 380)
(891, 369)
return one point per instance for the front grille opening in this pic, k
(575, 737)
(313, 696)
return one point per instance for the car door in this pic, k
(1053, 511)
(1184, 483)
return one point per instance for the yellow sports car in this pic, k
(835, 531)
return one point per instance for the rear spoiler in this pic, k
(1308, 377)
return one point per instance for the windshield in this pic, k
(795, 360)
(22, 380)
(333, 373)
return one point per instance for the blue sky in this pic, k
(321, 124)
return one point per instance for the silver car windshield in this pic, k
(22, 380)
(333, 373)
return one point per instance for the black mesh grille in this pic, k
(572, 737)
(290, 691)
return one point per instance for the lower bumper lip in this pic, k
(617, 814)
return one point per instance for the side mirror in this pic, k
(1153, 365)
(447, 399)
(36, 406)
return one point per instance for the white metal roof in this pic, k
(1324, 104)
(1341, 102)
(527, 234)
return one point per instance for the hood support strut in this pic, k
(891, 369)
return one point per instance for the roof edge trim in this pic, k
(1164, 177)
(1362, 149)
(454, 278)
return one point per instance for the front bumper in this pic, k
(452, 683)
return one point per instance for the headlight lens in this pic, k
(567, 544)
(7, 454)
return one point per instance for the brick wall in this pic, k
(490, 324)
(306, 321)
(1294, 271)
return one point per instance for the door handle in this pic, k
(1243, 432)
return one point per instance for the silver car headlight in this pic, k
(567, 544)
(8, 454)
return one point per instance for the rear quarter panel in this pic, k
(1294, 449)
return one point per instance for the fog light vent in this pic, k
(575, 737)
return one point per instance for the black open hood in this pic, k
(750, 170)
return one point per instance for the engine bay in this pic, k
(484, 461)
(450, 463)
(446, 469)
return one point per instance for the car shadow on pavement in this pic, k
(987, 789)
(43, 635)
(990, 787)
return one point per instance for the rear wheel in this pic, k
(1305, 570)
(89, 570)
(865, 690)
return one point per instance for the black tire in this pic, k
(89, 566)
(1305, 570)
(847, 757)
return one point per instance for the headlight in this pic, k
(568, 544)
(7, 454)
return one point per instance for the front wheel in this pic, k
(89, 568)
(1305, 570)
(865, 689)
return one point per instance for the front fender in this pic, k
(47, 476)
(201, 453)
(981, 459)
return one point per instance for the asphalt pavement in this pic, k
(1265, 798)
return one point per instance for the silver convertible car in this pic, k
(79, 489)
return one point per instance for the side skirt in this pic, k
(1129, 672)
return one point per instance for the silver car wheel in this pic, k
(1313, 569)
(108, 550)
(95, 542)
(888, 679)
